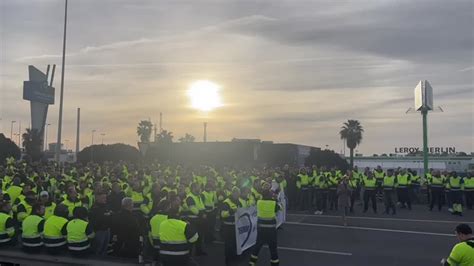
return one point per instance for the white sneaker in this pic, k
(316, 212)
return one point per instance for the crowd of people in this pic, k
(170, 212)
(320, 189)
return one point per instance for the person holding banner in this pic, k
(267, 209)
(229, 208)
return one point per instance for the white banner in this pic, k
(245, 228)
(281, 215)
(246, 224)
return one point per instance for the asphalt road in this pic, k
(416, 237)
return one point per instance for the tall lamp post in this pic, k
(11, 130)
(46, 137)
(60, 122)
(102, 135)
(92, 145)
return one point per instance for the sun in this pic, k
(204, 95)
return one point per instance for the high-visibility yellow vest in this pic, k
(6, 233)
(209, 200)
(49, 210)
(155, 223)
(225, 215)
(71, 205)
(77, 238)
(303, 180)
(173, 238)
(402, 181)
(389, 182)
(198, 205)
(14, 192)
(370, 184)
(436, 182)
(469, 184)
(379, 175)
(455, 183)
(31, 237)
(53, 236)
(266, 213)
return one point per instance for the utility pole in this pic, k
(78, 127)
(60, 122)
(205, 132)
(11, 130)
(102, 135)
(46, 137)
(92, 145)
(19, 134)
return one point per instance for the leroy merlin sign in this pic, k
(449, 150)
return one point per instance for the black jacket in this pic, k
(99, 217)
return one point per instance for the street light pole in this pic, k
(19, 134)
(46, 137)
(60, 122)
(92, 145)
(102, 134)
(11, 130)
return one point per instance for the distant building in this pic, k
(459, 164)
(238, 152)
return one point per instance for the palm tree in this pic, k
(165, 136)
(351, 132)
(187, 138)
(32, 141)
(144, 130)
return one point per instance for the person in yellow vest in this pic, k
(15, 189)
(25, 207)
(72, 200)
(195, 209)
(209, 199)
(79, 233)
(49, 205)
(469, 189)
(379, 174)
(7, 225)
(176, 238)
(32, 229)
(267, 209)
(403, 186)
(455, 185)
(462, 253)
(436, 186)
(370, 187)
(229, 207)
(302, 184)
(135, 192)
(53, 237)
(389, 184)
(155, 222)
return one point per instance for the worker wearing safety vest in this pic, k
(79, 232)
(455, 183)
(195, 210)
(388, 184)
(32, 227)
(436, 185)
(49, 205)
(370, 187)
(176, 237)
(469, 189)
(302, 184)
(53, 237)
(403, 183)
(209, 199)
(229, 207)
(463, 253)
(7, 228)
(25, 207)
(155, 222)
(71, 200)
(267, 209)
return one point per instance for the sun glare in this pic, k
(204, 95)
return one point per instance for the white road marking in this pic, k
(304, 250)
(370, 229)
(381, 218)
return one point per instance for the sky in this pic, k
(290, 71)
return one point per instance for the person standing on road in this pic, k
(403, 183)
(463, 253)
(455, 183)
(389, 183)
(370, 186)
(469, 189)
(100, 220)
(344, 198)
(436, 184)
(267, 209)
